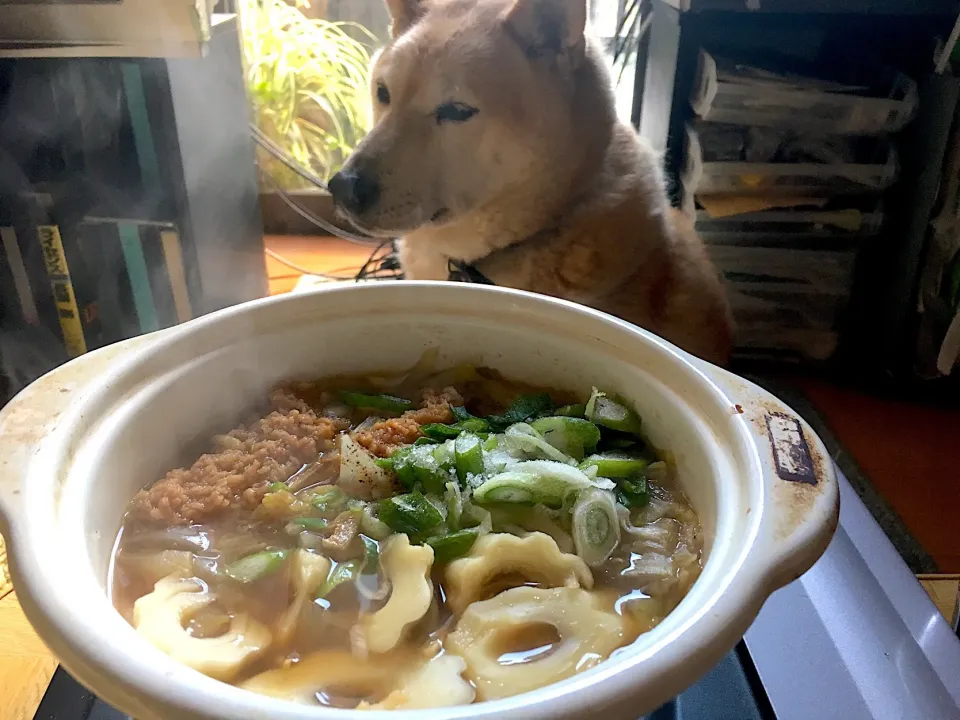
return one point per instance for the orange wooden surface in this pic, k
(910, 452)
(317, 254)
(26, 665)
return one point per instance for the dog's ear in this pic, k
(548, 27)
(403, 13)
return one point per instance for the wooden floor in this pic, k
(911, 453)
(316, 254)
(26, 665)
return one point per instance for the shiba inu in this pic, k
(496, 143)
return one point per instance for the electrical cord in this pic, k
(280, 154)
(277, 152)
(310, 217)
(382, 263)
(332, 274)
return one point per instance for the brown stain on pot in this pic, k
(795, 500)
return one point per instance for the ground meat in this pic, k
(384, 437)
(238, 474)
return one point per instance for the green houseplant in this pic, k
(307, 81)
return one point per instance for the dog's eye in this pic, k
(457, 112)
(383, 95)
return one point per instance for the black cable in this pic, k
(621, 24)
(278, 152)
(315, 219)
(386, 266)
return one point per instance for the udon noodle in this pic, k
(432, 539)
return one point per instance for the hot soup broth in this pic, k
(431, 539)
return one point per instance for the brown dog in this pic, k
(496, 143)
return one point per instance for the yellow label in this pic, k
(178, 279)
(63, 295)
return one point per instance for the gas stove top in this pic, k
(855, 638)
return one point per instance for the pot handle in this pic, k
(33, 414)
(801, 490)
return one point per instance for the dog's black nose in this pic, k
(355, 191)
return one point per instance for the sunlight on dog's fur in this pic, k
(496, 143)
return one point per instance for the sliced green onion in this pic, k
(411, 513)
(371, 555)
(612, 414)
(389, 403)
(277, 487)
(440, 431)
(428, 470)
(571, 411)
(418, 464)
(253, 567)
(402, 467)
(571, 436)
(445, 456)
(440, 505)
(454, 506)
(331, 500)
(522, 409)
(474, 425)
(477, 517)
(425, 441)
(339, 574)
(310, 523)
(534, 481)
(452, 546)
(538, 518)
(372, 526)
(615, 464)
(523, 438)
(657, 472)
(596, 527)
(468, 457)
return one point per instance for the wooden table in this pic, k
(316, 254)
(26, 665)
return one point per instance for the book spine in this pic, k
(170, 239)
(21, 278)
(64, 297)
(139, 276)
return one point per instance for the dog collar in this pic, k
(459, 271)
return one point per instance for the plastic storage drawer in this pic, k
(783, 179)
(789, 228)
(809, 110)
(812, 271)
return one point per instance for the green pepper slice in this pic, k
(253, 567)
(468, 453)
(572, 436)
(388, 403)
(612, 414)
(452, 546)
(411, 513)
(615, 464)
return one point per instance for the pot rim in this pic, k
(731, 608)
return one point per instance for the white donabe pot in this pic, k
(78, 443)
